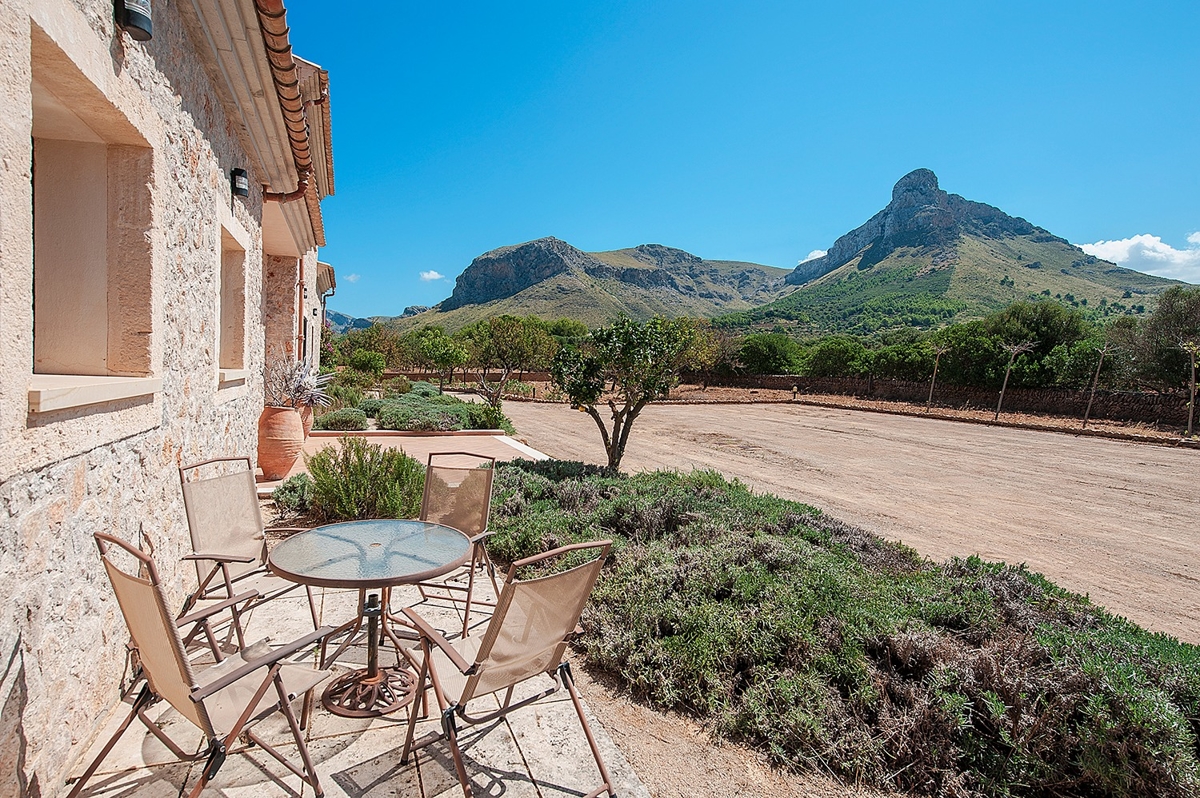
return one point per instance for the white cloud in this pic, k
(352, 278)
(432, 275)
(816, 253)
(1150, 254)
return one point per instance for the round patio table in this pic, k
(374, 555)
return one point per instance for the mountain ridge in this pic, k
(549, 277)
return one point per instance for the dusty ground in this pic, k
(1112, 519)
(676, 758)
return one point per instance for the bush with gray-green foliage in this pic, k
(347, 418)
(358, 479)
(833, 650)
(421, 388)
(418, 410)
(371, 407)
(291, 497)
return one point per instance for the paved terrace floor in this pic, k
(537, 752)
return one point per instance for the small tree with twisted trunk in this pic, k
(625, 367)
(1013, 350)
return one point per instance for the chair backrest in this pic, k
(152, 627)
(458, 491)
(222, 513)
(528, 633)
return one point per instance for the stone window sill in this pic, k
(231, 378)
(62, 391)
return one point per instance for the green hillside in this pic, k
(930, 258)
(551, 279)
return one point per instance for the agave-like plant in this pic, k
(289, 383)
(310, 387)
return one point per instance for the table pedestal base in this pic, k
(358, 694)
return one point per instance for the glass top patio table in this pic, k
(378, 553)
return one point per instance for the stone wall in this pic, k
(1118, 406)
(110, 466)
(281, 276)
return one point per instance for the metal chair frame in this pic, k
(445, 589)
(454, 711)
(218, 745)
(212, 587)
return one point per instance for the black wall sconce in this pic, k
(239, 183)
(134, 17)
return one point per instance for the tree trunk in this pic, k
(1000, 403)
(1092, 397)
(1192, 403)
(933, 381)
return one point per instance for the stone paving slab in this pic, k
(537, 752)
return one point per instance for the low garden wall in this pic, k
(1148, 408)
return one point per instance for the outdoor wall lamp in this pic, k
(134, 17)
(239, 183)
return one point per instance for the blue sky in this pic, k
(755, 131)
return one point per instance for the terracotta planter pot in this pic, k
(280, 440)
(306, 418)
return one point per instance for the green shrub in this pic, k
(354, 379)
(371, 407)
(422, 417)
(421, 388)
(368, 362)
(347, 418)
(344, 395)
(359, 479)
(397, 386)
(834, 650)
(481, 415)
(292, 495)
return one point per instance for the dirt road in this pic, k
(1118, 521)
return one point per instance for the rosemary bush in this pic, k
(358, 479)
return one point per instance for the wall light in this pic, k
(239, 183)
(134, 17)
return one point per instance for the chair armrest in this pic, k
(218, 558)
(200, 615)
(200, 693)
(435, 637)
(482, 536)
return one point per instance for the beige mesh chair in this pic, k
(220, 700)
(525, 638)
(458, 493)
(228, 544)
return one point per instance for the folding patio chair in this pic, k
(458, 493)
(227, 534)
(526, 637)
(220, 700)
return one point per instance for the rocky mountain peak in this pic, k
(918, 187)
(508, 270)
(920, 215)
(659, 255)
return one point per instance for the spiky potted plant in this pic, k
(280, 428)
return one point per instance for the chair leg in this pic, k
(564, 670)
(470, 592)
(312, 608)
(145, 697)
(450, 729)
(412, 713)
(286, 708)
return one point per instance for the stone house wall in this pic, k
(110, 466)
(1116, 405)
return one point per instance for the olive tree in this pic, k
(500, 346)
(623, 367)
